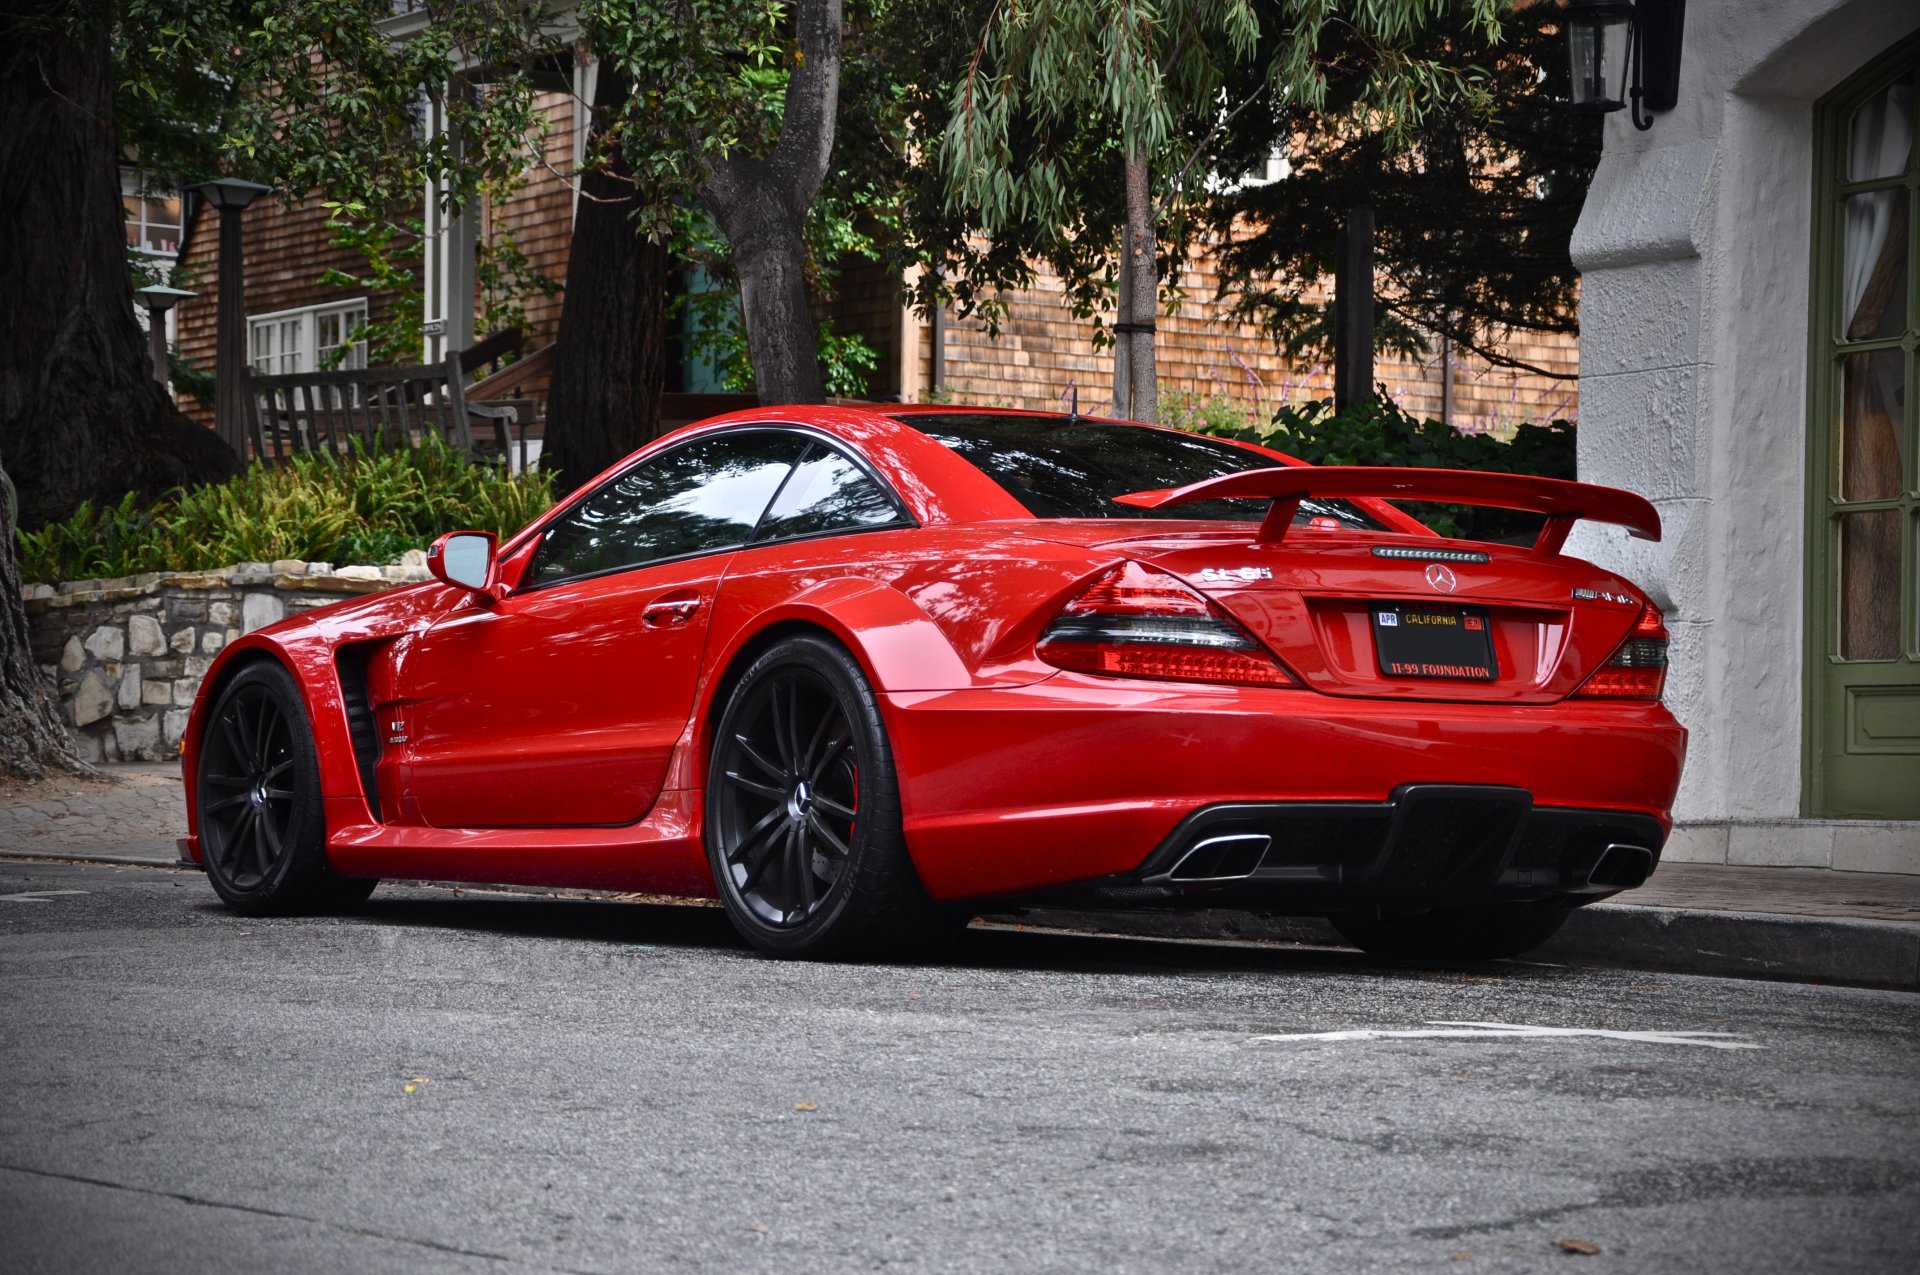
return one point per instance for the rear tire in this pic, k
(257, 806)
(1457, 934)
(803, 827)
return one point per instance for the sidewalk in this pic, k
(1794, 923)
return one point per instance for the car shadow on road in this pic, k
(982, 946)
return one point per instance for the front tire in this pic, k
(1455, 934)
(803, 827)
(263, 834)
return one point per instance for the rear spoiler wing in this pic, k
(1562, 502)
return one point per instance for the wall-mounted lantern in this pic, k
(1625, 51)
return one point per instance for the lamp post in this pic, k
(1625, 51)
(231, 197)
(158, 298)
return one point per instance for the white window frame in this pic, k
(137, 185)
(288, 341)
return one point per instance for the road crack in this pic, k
(202, 1202)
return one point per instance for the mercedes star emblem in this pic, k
(1440, 576)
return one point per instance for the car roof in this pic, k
(937, 484)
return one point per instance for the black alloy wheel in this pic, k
(803, 812)
(257, 802)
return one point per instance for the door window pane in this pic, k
(1881, 136)
(1870, 585)
(827, 493)
(700, 498)
(1873, 396)
(1875, 272)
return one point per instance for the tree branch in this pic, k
(800, 158)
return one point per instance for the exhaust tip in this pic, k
(1622, 867)
(1225, 858)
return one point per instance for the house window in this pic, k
(153, 214)
(314, 339)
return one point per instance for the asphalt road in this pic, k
(476, 1082)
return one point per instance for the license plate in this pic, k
(1426, 639)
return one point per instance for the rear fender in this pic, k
(896, 644)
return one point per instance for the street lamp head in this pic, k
(159, 298)
(230, 193)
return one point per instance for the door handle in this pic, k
(669, 612)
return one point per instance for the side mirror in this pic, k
(464, 559)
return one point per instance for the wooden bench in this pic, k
(380, 408)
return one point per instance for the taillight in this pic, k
(1136, 621)
(1638, 670)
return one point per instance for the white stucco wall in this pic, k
(1694, 249)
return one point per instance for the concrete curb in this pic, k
(1686, 940)
(1742, 944)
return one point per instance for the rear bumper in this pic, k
(1429, 845)
(1077, 780)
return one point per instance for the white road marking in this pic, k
(1441, 1028)
(37, 896)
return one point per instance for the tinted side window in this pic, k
(827, 492)
(700, 498)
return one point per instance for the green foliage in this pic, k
(1379, 432)
(847, 363)
(364, 508)
(1472, 223)
(717, 336)
(1034, 110)
(188, 379)
(835, 233)
(1206, 414)
(392, 252)
(507, 278)
(319, 95)
(708, 79)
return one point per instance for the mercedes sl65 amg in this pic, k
(865, 673)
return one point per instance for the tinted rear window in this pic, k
(1063, 469)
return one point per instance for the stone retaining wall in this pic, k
(126, 656)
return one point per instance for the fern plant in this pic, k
(366, 507)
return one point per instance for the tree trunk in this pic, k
(1143, 289)
(761, 205)
(81, 416)
(31, 736)
(769, 261)
(610, 359)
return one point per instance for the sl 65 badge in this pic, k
(1235, 575)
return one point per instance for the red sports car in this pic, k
(860, 672)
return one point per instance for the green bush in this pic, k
(317, 508)
(1381, 433)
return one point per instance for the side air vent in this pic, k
(351, 663)
(1407, 554)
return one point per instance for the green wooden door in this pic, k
(1863, 605)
